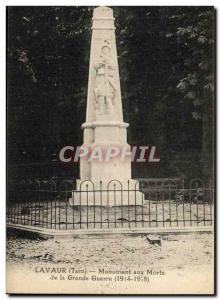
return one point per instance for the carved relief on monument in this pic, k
(104, 86)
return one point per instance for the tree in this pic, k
(196, 35)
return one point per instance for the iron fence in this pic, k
(115, 205)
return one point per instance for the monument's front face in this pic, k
(104, 119)
(104, 126)
(104, 93)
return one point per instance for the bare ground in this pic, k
(176, 251)
(186, 260)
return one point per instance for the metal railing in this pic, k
(117, 205)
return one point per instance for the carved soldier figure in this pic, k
(104, 88)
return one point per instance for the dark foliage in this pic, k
(166, 68)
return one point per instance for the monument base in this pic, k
(113, 193)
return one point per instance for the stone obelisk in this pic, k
(104, 124)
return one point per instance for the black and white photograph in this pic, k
(111, 116)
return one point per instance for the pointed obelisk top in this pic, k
(102, 12)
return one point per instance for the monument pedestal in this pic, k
(102, 138)
(112, 193)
